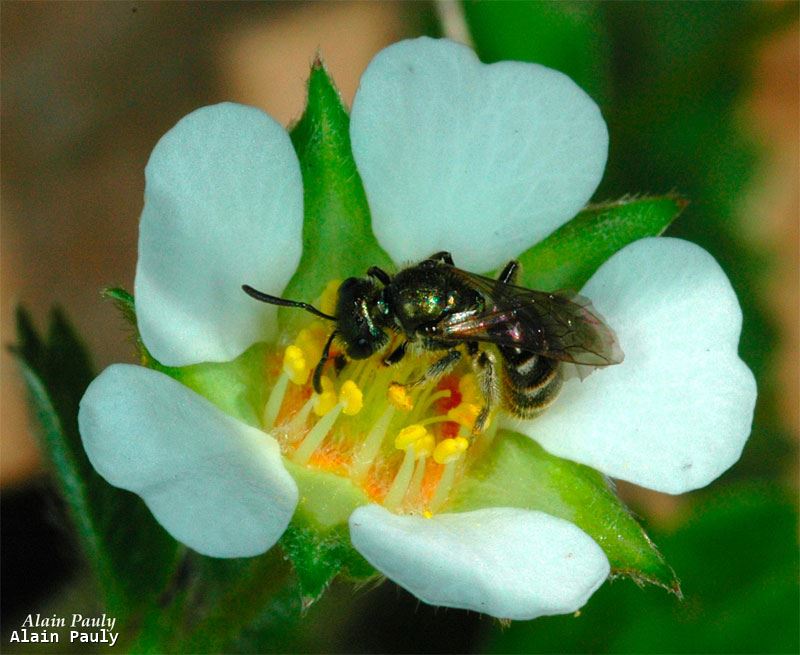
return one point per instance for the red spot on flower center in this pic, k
(449, 383)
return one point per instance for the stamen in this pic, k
(415, 486)
(351, 398)
(444, 393)
(327, 301)
(298, 422)
(372, 445)
(399, 397)
(468, 387)
(350, 402)
(465, 414)
(409, 435)
(433, 419)
(295, 364)
(316, 435)
(311, 341)
(450, 450)
(445, 484)
(325, 401)
(398, 489)
(275, 400)
(447, 452)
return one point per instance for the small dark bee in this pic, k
(438, 307)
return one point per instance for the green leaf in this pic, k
(517, 472)
(318, 540)
(569, 256)
(337, 233)
(131, 555)
(564, 35)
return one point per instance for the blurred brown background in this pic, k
(88, 88)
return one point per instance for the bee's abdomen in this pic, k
(531, 383)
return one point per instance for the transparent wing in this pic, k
(562, 326)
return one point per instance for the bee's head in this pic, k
(359, 313)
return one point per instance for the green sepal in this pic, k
(318, 540)
(570, 256)
(239, 387)
(231, 601)
(132, 559)
(337, 235)
(517, 472)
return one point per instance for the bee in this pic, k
(515, 339)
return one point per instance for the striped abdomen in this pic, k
(531, 383)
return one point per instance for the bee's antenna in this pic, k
(273, 300)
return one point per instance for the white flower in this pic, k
(455, 155)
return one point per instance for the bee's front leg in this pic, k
(326, 353)
(437, 369)
(485, 367)
(396, 355)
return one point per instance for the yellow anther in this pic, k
(449, 450)
(399, 397)
(295, 365)
(464, 414)
(351, 398)
(424, 446)
(468, 386)
(327, 400)
(427, 514)
(409, 435)
(327, 301)
(311, 341)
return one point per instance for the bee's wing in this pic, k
(560, 326)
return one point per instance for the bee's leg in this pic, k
(443, 256)
(437, 369)
(326, 351)
(509, 273)
(396, 355)
(339, 362)
(485, 368)
(379, 274)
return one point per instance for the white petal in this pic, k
(677, 412)
(509, 563)
(481, 160)
(223, 207)
(214, 483)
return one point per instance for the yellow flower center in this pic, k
(404, 446)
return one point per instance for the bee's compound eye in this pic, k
(361, 348)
